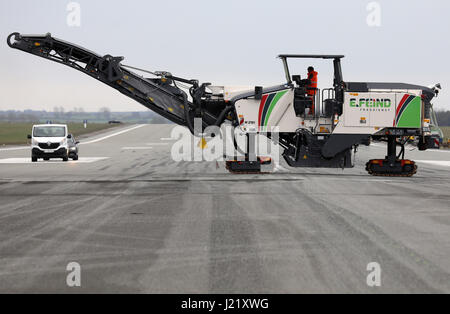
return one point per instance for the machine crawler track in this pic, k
(245, 167)
(381, 168)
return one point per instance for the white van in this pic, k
(49, 141)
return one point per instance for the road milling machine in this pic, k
(322, 130)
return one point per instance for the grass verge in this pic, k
(446, 131)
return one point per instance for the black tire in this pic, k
(33, 159)
(66, 158)
(75, 157)
(46, 158)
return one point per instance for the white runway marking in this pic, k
(82, 160)
(167, 139)
(278, 168)
(438, 151)
(412, 147)
(157, 144)
(111, 135)
(132, 148)
(14, 148)
(435, 162)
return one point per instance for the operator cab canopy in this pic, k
(336, 63)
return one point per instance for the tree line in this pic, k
(79, 115)
(443, 117)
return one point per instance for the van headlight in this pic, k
(34, 142)
(63, 142)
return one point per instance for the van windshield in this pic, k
(49, 131)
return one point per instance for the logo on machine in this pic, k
(268, 102)
(371, 104)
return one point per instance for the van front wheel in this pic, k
(33, 159)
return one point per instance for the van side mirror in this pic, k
(29, 136)
(77, 142)
(69, 136)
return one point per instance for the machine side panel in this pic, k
(260, 115)
(231, 91)
(370, 109)
(368, 112)
(383, 109)
(289, 122)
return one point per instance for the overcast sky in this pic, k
(223, 42)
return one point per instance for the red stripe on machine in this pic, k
(405, 97)
(261, 106)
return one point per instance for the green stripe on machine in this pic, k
(411, 117)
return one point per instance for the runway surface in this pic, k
(137, 221)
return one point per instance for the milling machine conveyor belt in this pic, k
(159, 95)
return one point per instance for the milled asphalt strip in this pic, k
(83, 143)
